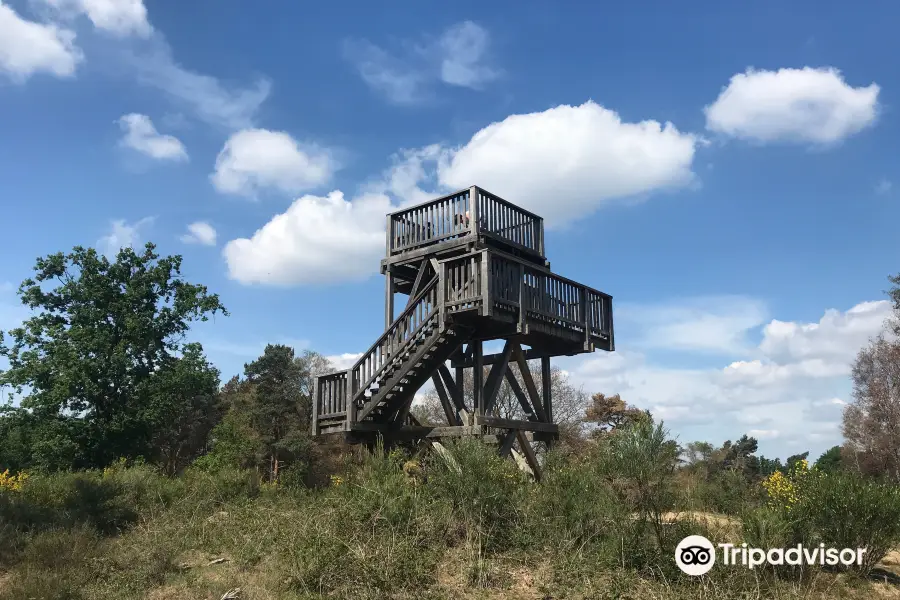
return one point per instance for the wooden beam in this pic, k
(478, 379)
(529, 383)
(496, 377)
(452, 416)
(520, 395)
(454, 388)
(418, 283)
(501, 423)
(530, 354)
(507, 442)
(546, 388)
(388, 299)
(528, 451)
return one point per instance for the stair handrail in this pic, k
(403, 315)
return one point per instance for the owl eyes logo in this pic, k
(695, 555)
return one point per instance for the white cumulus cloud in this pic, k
(793, 382)
(141, 135)
(200, 233)
(458, 57)
(808, 105)
(564, 162)
(836, 337)
(708, 324)
(316, 240)
(27, 47)
(122, 235)
(256, 159)
(118, 17)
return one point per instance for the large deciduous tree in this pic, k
(101, 365)
(871, 424)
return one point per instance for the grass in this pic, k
(482, 531)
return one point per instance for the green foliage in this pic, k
(266, 423)
(843, 510)
(98, 362)
(830, 461)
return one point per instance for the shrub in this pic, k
(843, 510)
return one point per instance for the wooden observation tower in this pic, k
(473, 269)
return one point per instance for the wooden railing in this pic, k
(510, 223)
(331, 394)
(405, 328)
(435, 221)
(535, 293)
(543, 296)
(462, 276)
(458, 215)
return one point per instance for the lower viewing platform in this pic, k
(483, 295)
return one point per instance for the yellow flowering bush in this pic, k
(337, 480)
(785, 491)
(12, 483)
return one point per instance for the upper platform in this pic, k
(459, 222)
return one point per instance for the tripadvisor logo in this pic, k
(696, 555)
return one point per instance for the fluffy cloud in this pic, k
(257, 159)
(709, 324)
(457, 57)
(463, 47)
(790, 389)
(27, 47)
(118, 17)
(142, 136)
(342, 362)
(564, 162)
(836, 338)
(200, 233)
(122, 235)
(561, 163)
(793, 105)
(316, 240)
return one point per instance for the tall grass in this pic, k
(386, 528)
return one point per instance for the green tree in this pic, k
(96, 362)
(611, 413)
(267, 420)
(830, 461)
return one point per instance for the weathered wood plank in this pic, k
(495, 377)
(528, 451)
(501, 423)
(529, 383)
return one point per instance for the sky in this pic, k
(726, 171)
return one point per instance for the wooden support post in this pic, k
(528, 451)
(520, 395)
(495, 378)
(529, 383)
(546, 388)
(478, 379)
(522, 325)
(388, 298)
(449, 412)
(487, 302)
(352, 389)
(474, 212)
(454, 388)
(315, 408)
(506, 442)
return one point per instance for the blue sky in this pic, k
(726, 172)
